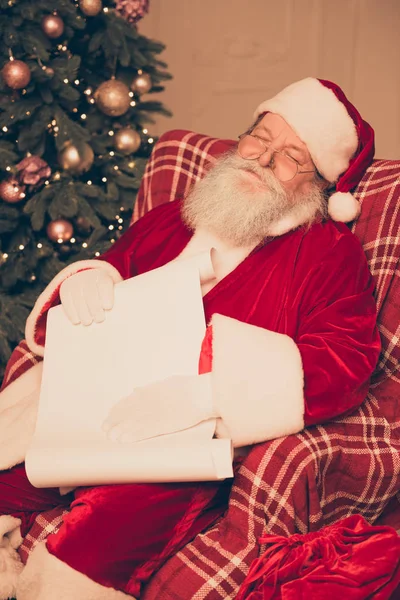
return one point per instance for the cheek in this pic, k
(297, 186)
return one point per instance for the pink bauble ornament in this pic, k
(60, 229)
(11, 191)
(53, 26)
(16, 74)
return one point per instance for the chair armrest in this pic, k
(305, 481)
(21, 359)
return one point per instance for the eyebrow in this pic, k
(289, 146)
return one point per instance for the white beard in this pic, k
(242, 209)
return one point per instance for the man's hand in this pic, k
(167, 406)
(86, 296)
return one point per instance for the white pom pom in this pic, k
(343, 207)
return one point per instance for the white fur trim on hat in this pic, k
(343, 207)
(320, 120)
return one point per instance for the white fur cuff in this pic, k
(19, 403)
(257, 381)
(45, 577)
(10, 562)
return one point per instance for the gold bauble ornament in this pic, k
(76, 158)
(60, 229)
(12, 191)
(112, 98)
(53, 26)
(16, 74)
(127, 140)
(90, 8)
(141, 84)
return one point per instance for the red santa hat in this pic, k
(340, 142)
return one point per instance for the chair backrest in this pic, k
(180, 158)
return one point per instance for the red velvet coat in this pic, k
(314, 286)
(294, 324)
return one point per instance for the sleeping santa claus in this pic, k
(291, 341)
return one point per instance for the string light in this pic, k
(5, 255)
(39, 245)
(105, 9)
(120, 220)
(72, 240)
(112, 153)
(21, 247)
(66, 80)
(145, 130)
(83, 116)
(8, 168)
(76, 82)
(111, 133)
(150, 140)
(111, 227)
(133, 103)
(115, 168)
(91, 101)
(104, 179)
(89, 182)
(84, 245)
(88, 91)
(97, 253)
(5, 129)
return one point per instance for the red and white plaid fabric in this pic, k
(302, 482)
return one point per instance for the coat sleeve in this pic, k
(267, 384)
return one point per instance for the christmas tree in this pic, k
(73, 138)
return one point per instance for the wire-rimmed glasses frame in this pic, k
(261, 147)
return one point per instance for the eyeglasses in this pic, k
(251, 147)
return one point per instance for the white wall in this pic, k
(227, 56)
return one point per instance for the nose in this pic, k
(266, 158)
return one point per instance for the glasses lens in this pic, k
(250, 147)
(285, 168)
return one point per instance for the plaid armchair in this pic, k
(302, 482)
